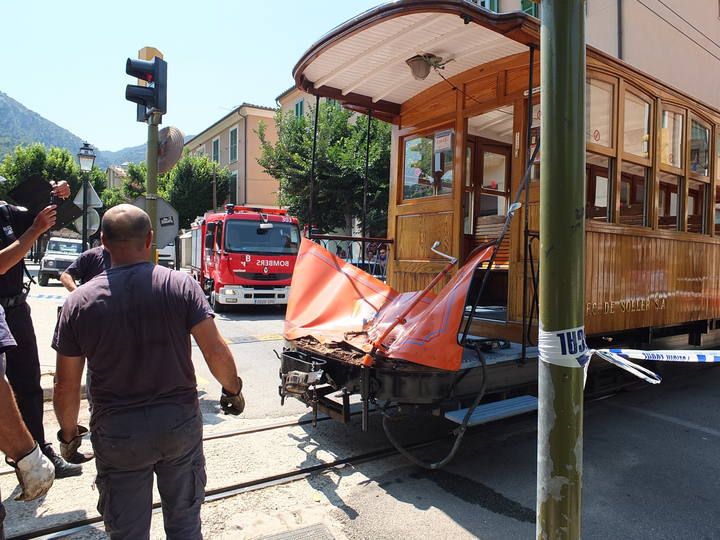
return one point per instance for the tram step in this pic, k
(496, 410)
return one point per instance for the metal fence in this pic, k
(368, 254)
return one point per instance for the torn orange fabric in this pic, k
(329, 298)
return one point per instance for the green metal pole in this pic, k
(562, 260)
(152, 170)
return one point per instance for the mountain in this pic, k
(20, 125)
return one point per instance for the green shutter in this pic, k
(531, 8)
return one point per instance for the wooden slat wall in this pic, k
(648, 279)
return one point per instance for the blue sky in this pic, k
(66, 59)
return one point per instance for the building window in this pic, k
(428, 165)
(232, 188)
(599, 113)
(216, 150)
(492, 5)
(671, 138)
(530, 7)
(233, 145)
(299, 108)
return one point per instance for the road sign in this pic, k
(168, 221)
(93, 200)
(93, 222)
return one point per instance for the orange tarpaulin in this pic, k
(330, 298)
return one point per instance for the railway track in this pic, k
(237, 433)
(65, 530)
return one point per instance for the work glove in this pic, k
(232, 403)
(35, 474)
(69, 449)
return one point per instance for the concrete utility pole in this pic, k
(562, 263)
(152, 169)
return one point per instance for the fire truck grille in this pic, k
(265, 277)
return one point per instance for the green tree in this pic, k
(53, 164)
(112, 197)
(134, 183)
(339, 169)
(189, 186)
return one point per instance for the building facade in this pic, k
(233, 143)
(115, 174)
(675, 41)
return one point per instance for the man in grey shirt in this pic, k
(133, 323)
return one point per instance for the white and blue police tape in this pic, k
(565, 348)
(568, 348)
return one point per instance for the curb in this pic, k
(48, 391)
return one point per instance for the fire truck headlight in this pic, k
(229, 291)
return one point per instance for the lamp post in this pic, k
(86, 157)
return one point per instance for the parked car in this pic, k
(59, 254)
(166, 256)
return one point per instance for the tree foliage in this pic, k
(53, 164)
(339, 169)
(189, 187)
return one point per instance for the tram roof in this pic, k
(361, 63)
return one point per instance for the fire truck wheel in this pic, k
(215, 305)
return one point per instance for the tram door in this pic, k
(485, 205)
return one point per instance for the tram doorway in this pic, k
(488, 153)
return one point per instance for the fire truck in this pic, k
(245, 255)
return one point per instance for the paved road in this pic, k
(253, 333)
(650, 458)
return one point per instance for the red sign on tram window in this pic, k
(443, 141)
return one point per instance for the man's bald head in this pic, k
(125, 225)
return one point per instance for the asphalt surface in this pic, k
(651, 465)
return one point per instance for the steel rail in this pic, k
(74, 527)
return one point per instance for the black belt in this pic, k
(13, 301)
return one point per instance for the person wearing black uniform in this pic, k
(19, 229)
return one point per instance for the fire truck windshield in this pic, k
(247, 236)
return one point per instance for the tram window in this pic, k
(668, 208)
(696, 206)
(597, 175)
(671, 138)
(717, 209)
(469, 196)
(633, 194)
(637, 126)
(599, 113)
(428, 166)
(494, 169)
(699, 148)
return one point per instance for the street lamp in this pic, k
(86, 157)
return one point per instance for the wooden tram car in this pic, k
(461, 145)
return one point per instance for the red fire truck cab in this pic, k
(245, 255)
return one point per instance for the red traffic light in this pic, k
(153, 97)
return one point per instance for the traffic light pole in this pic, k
(562, 245)
(152, 170)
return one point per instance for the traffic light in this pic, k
(150, 98)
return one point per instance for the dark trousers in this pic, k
(23, 370)
(133, 444)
